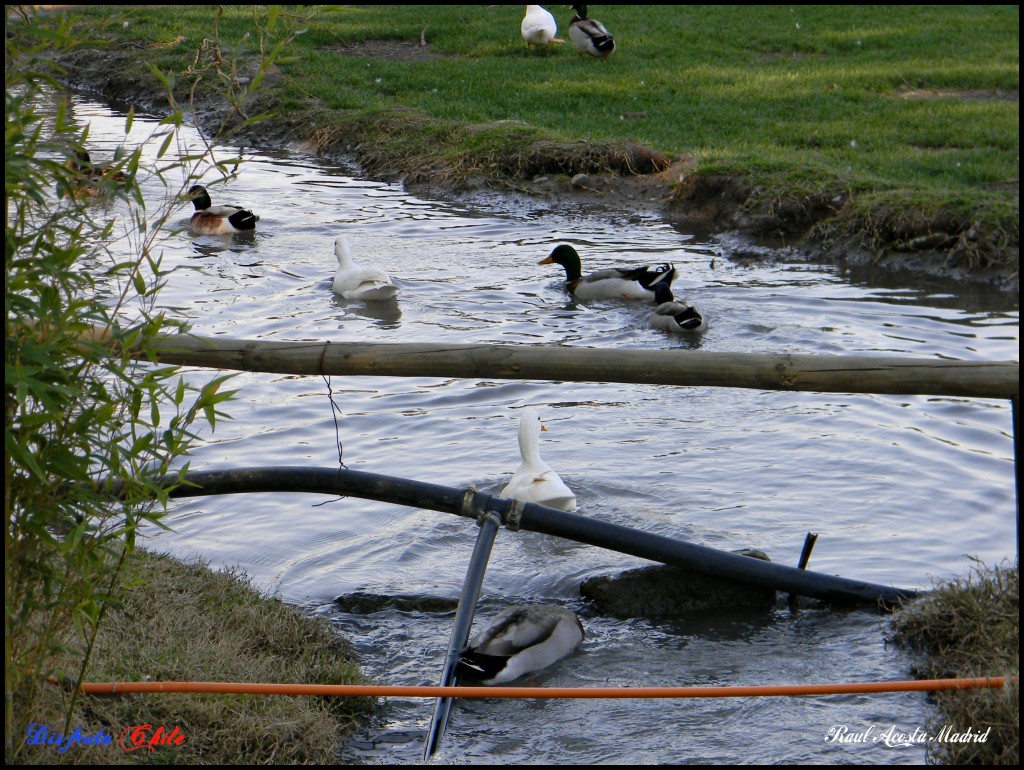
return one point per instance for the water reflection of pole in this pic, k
(489, 525)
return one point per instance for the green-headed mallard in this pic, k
(611, 282)
(218, 220)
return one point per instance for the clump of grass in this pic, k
(974, 233)
(970, 627)
(183, 622)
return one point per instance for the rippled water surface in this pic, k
(901, 489)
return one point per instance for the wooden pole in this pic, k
(761, 371)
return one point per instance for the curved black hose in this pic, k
(537, 518)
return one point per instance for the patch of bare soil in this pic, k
(972, 94)
(389, 50)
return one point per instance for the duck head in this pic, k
(343, 252)
(200, 197)
(530, 427)
(566, 256)
(80, 162)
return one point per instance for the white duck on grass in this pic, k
(534, 481)
(539, 27)
(354, 282)
(672, 315)
(611, 282)
(518, 641)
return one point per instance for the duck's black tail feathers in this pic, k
(689, 319)
(243, 220)
(605, 44)
(479, 666)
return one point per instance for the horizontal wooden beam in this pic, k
(761, 371)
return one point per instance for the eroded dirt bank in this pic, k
(623, 177)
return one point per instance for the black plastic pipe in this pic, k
(537, 518)
(805, 554)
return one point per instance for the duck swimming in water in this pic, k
(354, 282)
(611, 282)
(87, 180)
(518, 641)
(218, 220)
(672, 315)
(534, 481)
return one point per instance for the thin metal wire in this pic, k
(335, 413)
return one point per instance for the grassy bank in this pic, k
(897, 124)
(183, 622)
(970, 627)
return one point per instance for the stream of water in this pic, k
(901, 489)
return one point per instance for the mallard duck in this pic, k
(672, 315)
(614, 282)
(589, 35)
(355, 282)
(534, 481)
(218, 220)
(86, 177)
(520, 640)
(539, 27)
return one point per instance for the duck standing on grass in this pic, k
(589, 35)
(534, 481)
(520, 640)
(218, 220)
(352, 281)
(672, 315)
(611, 282)
(539, 27)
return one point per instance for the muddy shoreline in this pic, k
(622, 179)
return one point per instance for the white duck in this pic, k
(354, 282)
(520, 640)
(612, 282)
(672, 315)
(589, 35)
(534, 481)
(539, 27)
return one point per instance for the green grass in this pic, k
(905, 103)
(970, 627)
(183, 622)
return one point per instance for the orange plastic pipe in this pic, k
(391, 691)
